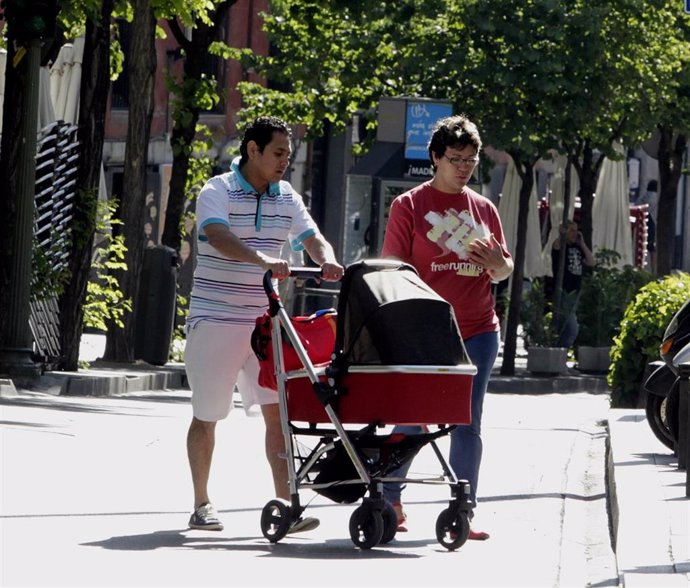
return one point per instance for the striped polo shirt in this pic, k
(227, 290)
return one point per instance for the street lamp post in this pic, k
(16, 346)
(30, 22)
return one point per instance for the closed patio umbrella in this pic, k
(556, 200)
(611, 210)
(65, 80)
(508, 210)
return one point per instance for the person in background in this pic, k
(453, 237)
(577, 256)
(243, 218)
(651, 199)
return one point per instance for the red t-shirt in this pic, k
(430, 230)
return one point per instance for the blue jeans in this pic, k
(465, 440)
(567, 323)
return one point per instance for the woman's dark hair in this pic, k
(261, 132)
(453, 131)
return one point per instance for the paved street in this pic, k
(96, 492)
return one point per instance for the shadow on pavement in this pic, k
(69, 404)
(292, 547)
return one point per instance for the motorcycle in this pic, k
(663, 385)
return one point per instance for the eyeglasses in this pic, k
(458, 161)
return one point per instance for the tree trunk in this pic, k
(93, 98)
(525, 170)
(588, 181)
(560, 267)
(141, 69)
(181, 135)
(184, 128)
(9, 180)
(670, 165)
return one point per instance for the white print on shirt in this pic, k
(454, 231)
(574, 261)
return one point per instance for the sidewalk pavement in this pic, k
(648, 511)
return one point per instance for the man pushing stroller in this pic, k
(244, 217)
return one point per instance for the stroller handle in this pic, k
(295, 272)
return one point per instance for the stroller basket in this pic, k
(387, 395)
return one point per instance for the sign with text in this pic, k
(418, 168)
(420, 118)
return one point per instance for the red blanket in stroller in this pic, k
(317, 333)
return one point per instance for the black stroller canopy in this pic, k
(388, 315)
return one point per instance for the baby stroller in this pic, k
(392, 354)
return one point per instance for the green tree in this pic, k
(500, 74)
(512, 57)
(92, 109)
(413, 48)
(536, 75)
(140, 64)
(622, 80)
(666, 66)
(101, 61)
(91, 18)
(194, 92)
(334, 59)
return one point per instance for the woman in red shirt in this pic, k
(453, 237)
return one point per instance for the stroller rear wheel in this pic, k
(276, 518)
(366, 527)
(452, 528)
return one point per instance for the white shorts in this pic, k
(217, 357)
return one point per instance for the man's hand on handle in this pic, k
(332, 271)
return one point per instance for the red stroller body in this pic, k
(396, 357)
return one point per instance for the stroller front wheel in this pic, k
(452, 528)
(366, 527)
(276, 517)
(390, 523)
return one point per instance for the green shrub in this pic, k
(642, 329)
(605, 294)
(537, 317)
(105, 300)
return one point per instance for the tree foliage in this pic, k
(194, 92)
(105, 303)
(536, 75)
(140, 65)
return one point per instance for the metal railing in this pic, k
(55, 189)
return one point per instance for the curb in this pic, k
(648, 509)
(110, 379)
(527, 383)
(106, 379)
(7, 389)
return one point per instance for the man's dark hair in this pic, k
(453, 131)
(261, 132)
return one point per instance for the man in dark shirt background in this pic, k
(577, 256)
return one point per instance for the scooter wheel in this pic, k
(662, 416)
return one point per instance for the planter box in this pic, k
(593, 359)
(547, 360)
